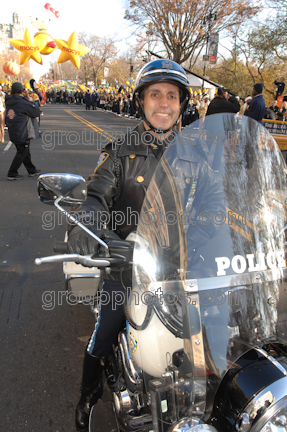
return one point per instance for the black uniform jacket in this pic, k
(118, 186)
(18, 109)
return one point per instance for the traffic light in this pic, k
(131, 69)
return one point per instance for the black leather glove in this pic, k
(80, 242)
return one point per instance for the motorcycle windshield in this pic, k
(209, 273)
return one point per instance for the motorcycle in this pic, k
(205, 343)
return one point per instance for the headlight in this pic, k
(267, 411)
(278, 422)
(192, 425)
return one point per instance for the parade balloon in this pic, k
(82, 87)
(50, 44)
(11, 68)
(71, 50)
(28, 48)
(49, 8)
(43, 35)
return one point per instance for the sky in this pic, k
(98, 17)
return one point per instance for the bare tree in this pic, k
(102, 50)
(62, 71)
(179, 24)
(263, 51)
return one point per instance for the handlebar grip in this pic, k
(61, 247)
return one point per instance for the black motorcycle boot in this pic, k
(91, 390)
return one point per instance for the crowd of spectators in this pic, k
(274, 112)
(119, 101)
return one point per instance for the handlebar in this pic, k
(61, 247)
(120, 254)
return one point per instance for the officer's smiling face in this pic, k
(161, 105)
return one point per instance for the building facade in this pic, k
(10, 31)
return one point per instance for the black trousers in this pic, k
(110, 320)
(22, 156)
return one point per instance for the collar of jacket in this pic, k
(133, 146)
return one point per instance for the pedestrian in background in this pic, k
(223, 102)
(280, 86)
(245, 105)
(2, 114)
(281, 112)
(256, 108)
(88, 100)
(21, 131)
(94, 100)
(203, 106)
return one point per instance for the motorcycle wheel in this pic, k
(102, 418)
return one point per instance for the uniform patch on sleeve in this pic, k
(103, 156)
(11, 114)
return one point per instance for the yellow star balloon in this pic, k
(71, 50)
(28, 48)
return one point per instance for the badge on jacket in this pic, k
(11, 114)
(103, 156)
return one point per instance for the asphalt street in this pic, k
(42, 343)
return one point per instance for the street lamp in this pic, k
(212, 16)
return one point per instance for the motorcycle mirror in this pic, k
(71, 188)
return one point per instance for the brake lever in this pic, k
(85, 260)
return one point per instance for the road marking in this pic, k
(7, 146)
(91, 125)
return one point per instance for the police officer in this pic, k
(116, 192)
